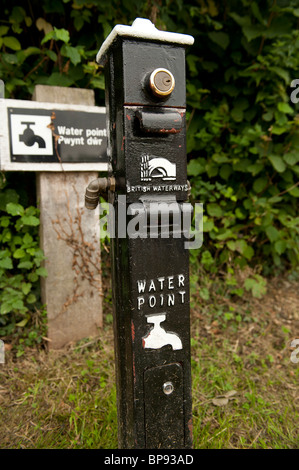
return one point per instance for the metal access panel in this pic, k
(152, 330)
(164, 407)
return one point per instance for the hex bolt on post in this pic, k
(146, 123)
(168, 388)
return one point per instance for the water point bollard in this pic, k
(147, 189)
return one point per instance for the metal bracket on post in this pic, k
(145, 96)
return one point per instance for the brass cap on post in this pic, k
(161, 82)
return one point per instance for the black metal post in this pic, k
(145, 100)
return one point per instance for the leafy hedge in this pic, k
(20, 261)
(243, 129)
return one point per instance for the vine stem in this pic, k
(268, 26)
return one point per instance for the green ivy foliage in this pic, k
(243, 128)
(54, 42)
(20, 261)
(243, 131)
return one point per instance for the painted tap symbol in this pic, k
(29, 138)
(158, 337)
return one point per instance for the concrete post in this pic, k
(69, 236)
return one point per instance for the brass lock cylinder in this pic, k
(161, 82)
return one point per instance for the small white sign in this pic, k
(31, 133)
(38, 136)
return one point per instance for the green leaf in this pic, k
(31, 299)
(280, 26)
(242, 165)
(241, 20)
(255, 168)
(18, 304)
(6, 263)
(237, 114)
(214, 210)
(278, 129)
(253, 31)
(208, 225)
(62, 35)
(225, 171)
(242, 247)
(272, 233)
(291, 158)
(17, 15)
(260, 184)
(280, 246)
(257, 286)
(4, 221)
(5, 308)
(231, 244)
(72, 53)
(25, 53)
(4, 30)
(41, 271)
(14, 209)
(9, 195)
(33, 277)
(58, 79)
(195, 168)
(27, 239)
(211, 169)
(256, 11)
(285, 108)
(268, 116)
(26, 288)
(223, 234)
(30, 220)
(58, 35)
(19, 253)
(219, 38)
(12, 42)
(206, 258)
(25, 265)
(23, 322)
(240, 214)
(98, 82)
(248, 253)
(282, 73)
(204, 293)
(10, 59)
(294, 192)
(277, 163)
(52, 55)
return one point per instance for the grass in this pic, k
(245, 388)
(242, 402)
(60, 400)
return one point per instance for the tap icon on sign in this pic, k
(29, 138)
(158, 337)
